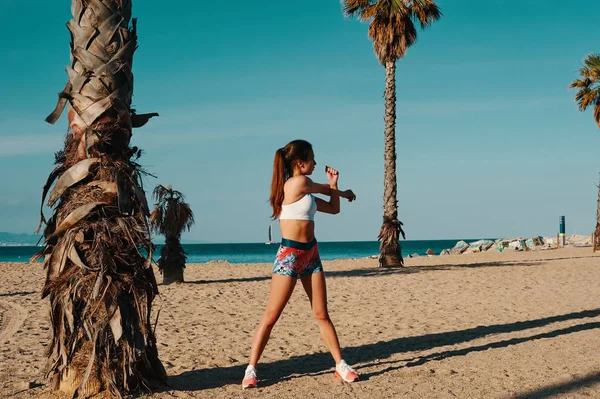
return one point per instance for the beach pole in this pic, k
(562, 230)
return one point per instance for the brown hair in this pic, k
(285, 160)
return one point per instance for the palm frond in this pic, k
(186, 216)
(581, 83)
(369, 13)
(588, 94)
(425, 11)
(586, 97)
(354, 7)
(156, 218)
(593, 62)
(588, 73)
(392, 23)
(392, 38)
(171, 215)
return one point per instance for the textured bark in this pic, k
(172, 261)
(100, 286)
(391, 229)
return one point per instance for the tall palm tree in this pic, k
(588, 95)
(99, 284)
(392, 30)
(171, 216)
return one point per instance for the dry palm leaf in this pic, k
(74, 217)
(107, 186)
(74, 174)
(55, 173)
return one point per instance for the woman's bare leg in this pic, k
(314, 285)
(281, 290)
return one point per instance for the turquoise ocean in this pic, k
(263, 253)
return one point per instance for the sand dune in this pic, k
(490, 325)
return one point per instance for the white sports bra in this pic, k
(303, 209)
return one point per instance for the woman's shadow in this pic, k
(321, 363)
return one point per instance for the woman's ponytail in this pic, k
(279, 175)
(286, 159)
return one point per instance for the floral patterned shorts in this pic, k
(297, 259)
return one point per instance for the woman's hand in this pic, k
(332, 176)
(349, 195)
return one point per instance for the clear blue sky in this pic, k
(490, 142)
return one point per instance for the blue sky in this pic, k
(490, 142)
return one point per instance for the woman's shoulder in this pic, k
(298, 184)
(298, 181)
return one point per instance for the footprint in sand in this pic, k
(13, 316)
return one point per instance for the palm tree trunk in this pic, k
(100, 286)
(389, 234)
(172, 261)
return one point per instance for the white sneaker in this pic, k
(345, 372)
(249, 380)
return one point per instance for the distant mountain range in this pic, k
(17, 240)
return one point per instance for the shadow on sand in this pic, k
(378, 272)
(553, 390)
(321, 363)
(17, 293)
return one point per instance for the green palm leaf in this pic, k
(588, 94)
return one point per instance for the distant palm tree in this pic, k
(392, 31)
(171, 217)
(100, 286)
(589, 95)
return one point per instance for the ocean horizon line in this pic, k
(322, 241)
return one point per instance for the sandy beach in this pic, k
(489, 325)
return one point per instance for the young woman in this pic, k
(294, 204)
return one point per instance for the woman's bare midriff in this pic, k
(297, 230)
